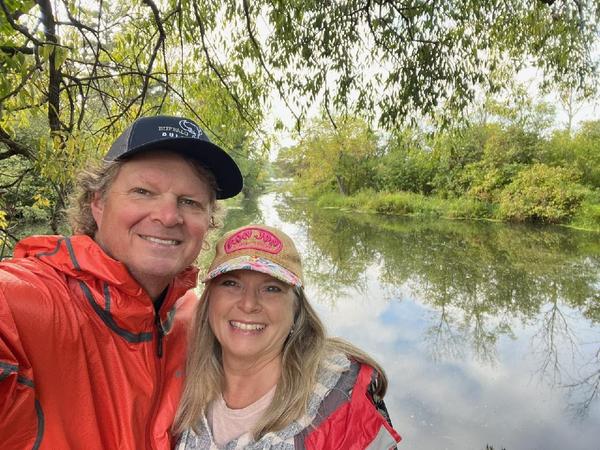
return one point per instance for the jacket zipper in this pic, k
(159, 336)
(158, 371)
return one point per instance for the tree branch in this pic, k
(22, 84)
(21, 29)
(18, 179)
(161, 38)
(256, 45)
(9, 50)
(54, 76)
(14, 148)
(240, 107)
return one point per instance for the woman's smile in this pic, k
(243, 326)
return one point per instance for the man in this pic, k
(93, 326)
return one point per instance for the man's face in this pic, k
(153, 217)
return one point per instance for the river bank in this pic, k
(587, 216)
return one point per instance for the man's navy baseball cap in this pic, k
(183, 136)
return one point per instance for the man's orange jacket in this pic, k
(85, 361)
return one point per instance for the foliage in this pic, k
(405, 165)
(507, 167)
(340, 156)
(581, 151)
(588, 215)
(506, 151)
(396, 59)
(454, 150)
(74, 76)
(3, 235)
(408, 203)
(541, 193)
(520, 110)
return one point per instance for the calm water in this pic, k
(489, 333)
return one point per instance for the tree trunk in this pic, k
(341, 185)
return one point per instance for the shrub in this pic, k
(331, 199)
(588, 214)
(466, 208)
(541, 193)
(396, 203)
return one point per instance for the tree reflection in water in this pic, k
(480, 280)
(586, 389)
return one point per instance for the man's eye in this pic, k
(190, 202)
(140, 191)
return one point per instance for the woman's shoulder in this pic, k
(345, 410)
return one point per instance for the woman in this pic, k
(261, 373)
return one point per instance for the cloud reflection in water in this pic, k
(487, 331)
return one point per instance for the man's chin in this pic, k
(154, 274)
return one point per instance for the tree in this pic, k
(334, 157)
(77, 73)
(580, 151)
(392, 59)
(407, 164)
(480, 157)
(74, 76)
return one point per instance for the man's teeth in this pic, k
(160, 241)
(247, 326)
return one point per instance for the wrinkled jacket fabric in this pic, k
(350, 419)
(341, 415)
(85, 361)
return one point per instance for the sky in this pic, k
(530, 78)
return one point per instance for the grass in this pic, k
(587, 216)
(408, 203)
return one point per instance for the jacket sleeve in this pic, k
(21, 423)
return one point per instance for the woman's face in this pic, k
(251, 315)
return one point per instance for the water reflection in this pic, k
(248, 212)
(490, 333)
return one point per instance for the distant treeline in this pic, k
(505, 165)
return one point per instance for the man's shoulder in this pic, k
(24, 275)
(76, 256)
(27, 274)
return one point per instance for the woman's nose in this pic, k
(249, 301)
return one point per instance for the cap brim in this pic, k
(224, 168)
(262, 265)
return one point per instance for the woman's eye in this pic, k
(273, 288)
(228, 283)
(141, 191)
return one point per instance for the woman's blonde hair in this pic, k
(98, 178)
(302, 352)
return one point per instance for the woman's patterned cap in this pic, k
(259, 248)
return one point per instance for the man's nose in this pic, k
(166, 211)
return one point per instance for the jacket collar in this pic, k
(82, 258)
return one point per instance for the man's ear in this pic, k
(97, 206)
